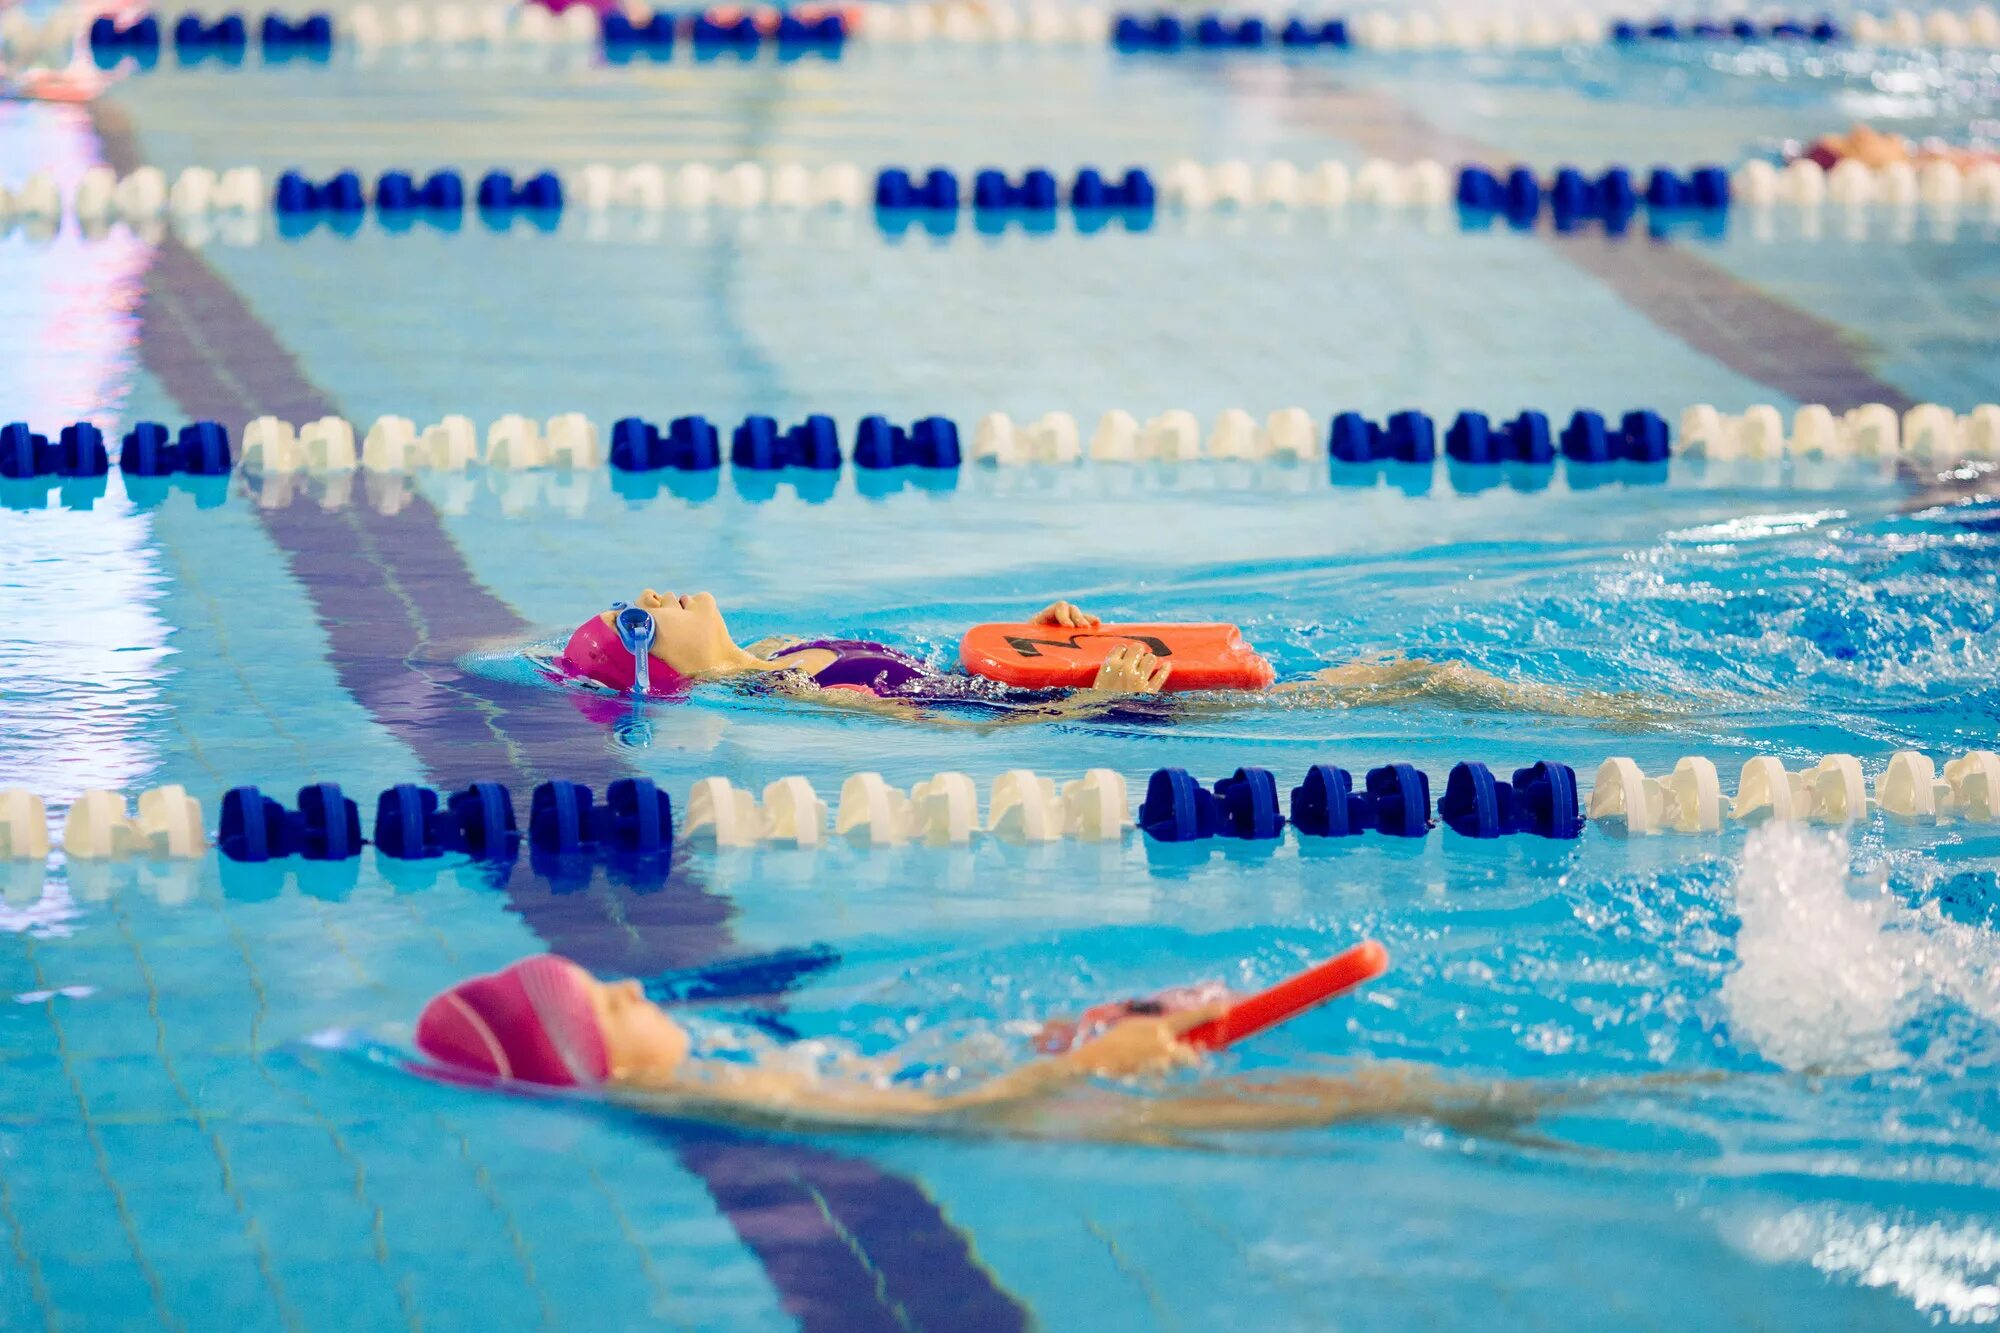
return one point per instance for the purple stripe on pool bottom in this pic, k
(1757, 335)
(1760, 337)
(788, 1203)
(836, 1260)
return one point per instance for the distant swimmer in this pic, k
(1876, 148)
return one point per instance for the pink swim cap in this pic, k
(595, 652)
(532, 1022)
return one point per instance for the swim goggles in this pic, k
(636, 628)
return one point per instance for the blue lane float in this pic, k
(1176, 808)
(1406, 437)
(760, 446)
(283, 36)
(656, 36)
(498, 191)
(1473, 438)
(1640, 437)
(929, 443)
(1164, 31)
(1541, 800)
(1572, 197)
(201, 449)
(24, 454)
(194, 38)
(325, 826)
(1134, 190)
(1821, 29)
(398, 192)
(297, 195)
(80, 451)
(1411, 437)
(413, 823)
(1393, 800)
(136, 39)
(1037, 191)
(689, 444)
(139, 38)
(896, 189)
(1246, 806)
(635, 818)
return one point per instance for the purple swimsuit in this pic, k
(860, 665)
(878, 669)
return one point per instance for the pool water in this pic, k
(1765, 1060)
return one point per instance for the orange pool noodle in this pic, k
(1291, 997)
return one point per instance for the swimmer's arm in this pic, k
(1133, 1047)
(1129, 670)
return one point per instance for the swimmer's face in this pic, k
(690, 635)
(641, 1040)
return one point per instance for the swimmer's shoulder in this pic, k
(808, 663)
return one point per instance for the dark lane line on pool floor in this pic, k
(1755, 334)
(847, 1245)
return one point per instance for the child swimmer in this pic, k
(548, 1022)
(692, 643)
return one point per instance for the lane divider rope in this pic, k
(1569, 197)
(571, 441)
(623, 34)
(635, 817)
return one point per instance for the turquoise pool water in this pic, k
(181, 1143)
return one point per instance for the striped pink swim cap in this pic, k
(532, 1022)
(595, 652)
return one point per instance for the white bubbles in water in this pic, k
(1947, 1270)
(1819, 979)
(1828, 968)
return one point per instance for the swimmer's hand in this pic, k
(1143, 1045)
(1132, 670)
(1065, 615)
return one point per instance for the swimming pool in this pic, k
(183, 1146)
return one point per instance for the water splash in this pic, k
(1831, 967)
(1822, 979)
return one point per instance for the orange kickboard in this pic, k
(1049, 657)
